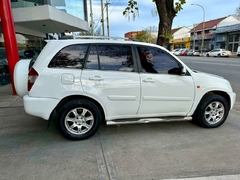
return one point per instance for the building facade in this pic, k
(132, 34)
(36, 20)
(180, 38)
(214, 33)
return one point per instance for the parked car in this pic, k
(238, 51)
(176, 53)
(84, 82)
(219, 53)
(183, 52)
(192, 52)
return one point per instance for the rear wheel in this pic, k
(79, 119)
(213, 111)
(207, 55)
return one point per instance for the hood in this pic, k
(208, 74)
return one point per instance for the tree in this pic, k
(144, 36)
(166, 12)
(238, 10)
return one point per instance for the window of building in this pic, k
(233, 42)
(235, 47)
(230, 38)
(26, 3)
(236, 38)
(70, 57)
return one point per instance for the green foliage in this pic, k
(145, 36)
(169, 10)
(167, 36)
(178, 5)
(131, 9)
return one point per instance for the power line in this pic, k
(114, 6)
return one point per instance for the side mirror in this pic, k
(183, 70)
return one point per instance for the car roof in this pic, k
(66, 42)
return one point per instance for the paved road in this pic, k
(130, 152)
(229, 68)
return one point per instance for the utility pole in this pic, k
(91, 15)
(203, 24)
(194, 36)
(108, 32)
(102, 21)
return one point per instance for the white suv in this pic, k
(120, 82)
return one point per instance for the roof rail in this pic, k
(100, 37)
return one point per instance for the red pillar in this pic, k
(9, 37)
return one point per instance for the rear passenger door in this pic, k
(110, 76)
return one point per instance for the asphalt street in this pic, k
(229, 68)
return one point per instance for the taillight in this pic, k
(32, 76)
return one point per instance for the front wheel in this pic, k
(213, 111)
(207, 55)
(79, 119)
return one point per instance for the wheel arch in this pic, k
(72, 97)
(221, 93)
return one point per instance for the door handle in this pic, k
(96, 78)
(149, 80)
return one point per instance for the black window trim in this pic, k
(68, 46)
(135, 68)
(140, 70)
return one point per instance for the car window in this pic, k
(110, 57)
(154, 60)
(69, 57)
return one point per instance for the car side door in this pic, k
(164, 90)
(110, 76)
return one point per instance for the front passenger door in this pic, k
(164, 91)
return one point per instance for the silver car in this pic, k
(219, 53)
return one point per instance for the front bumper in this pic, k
(233, 98)
(40, 107)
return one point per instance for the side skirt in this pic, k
(147, 120)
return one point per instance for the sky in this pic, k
(191, 14)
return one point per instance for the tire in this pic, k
(207, 55)
(212, 112)
(219, 55)
(79, 119)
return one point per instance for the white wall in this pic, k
(184, 32)
(230, 20)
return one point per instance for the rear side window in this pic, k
(70, 57)
(110, 57)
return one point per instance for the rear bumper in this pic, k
(40, 107)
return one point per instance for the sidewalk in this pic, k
(7, 99)
(36, 144)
